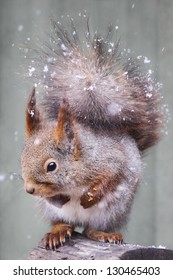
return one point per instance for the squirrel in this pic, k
(86, 135)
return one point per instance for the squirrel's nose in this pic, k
(29, 188)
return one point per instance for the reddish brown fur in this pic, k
(99, 187)
(104, 236)
(62, 119)
(58, 235)
(66, 127)
(33, 119)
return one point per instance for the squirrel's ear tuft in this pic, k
(33, 119)
(66, 134)
(64, 121)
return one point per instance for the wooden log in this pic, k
(81, 248)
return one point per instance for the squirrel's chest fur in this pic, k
(111, 212)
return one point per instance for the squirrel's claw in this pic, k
(57, 237)
(50, 241)
(102, 236)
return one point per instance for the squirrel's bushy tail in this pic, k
(104, 90)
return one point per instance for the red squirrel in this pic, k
(86, 134)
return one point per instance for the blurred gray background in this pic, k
(146, 27)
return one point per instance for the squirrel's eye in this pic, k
(50, 165)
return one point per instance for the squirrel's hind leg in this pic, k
(57, 236)
(103, 236)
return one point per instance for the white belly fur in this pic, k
(110, 212)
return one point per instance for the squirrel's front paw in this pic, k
(57, 236)
(104, 236)
(88, 199)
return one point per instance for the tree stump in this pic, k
(81, 248)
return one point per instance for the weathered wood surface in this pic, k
(82, 248)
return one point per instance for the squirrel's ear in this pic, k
(33, 119)
(66, 134)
